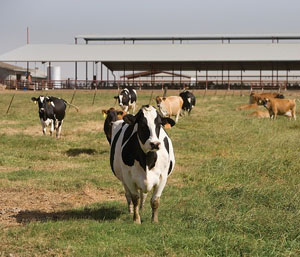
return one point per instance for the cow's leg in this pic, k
(133, 108)
(294, 113)
(43, 126)
(125, 108)
(143, 199)
(155, 199)
(58, 130)
(128, 198)
(52, 127)
(177, 116)
(136, 202)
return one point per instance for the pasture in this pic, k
(234, 190)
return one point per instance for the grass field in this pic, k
(234, 191)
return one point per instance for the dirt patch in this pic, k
(90, 126)
(19, 207)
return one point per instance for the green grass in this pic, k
(234, 191)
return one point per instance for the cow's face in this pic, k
(265, 102)
(149, 123)
(41, 101)
(44, 103)
(123, 97)
(160, 101)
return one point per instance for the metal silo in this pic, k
(54, 74)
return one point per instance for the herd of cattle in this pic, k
(141, 152)
(275, 104)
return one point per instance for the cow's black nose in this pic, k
(155, 145)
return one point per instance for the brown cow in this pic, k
(258, 97)
(113, 115)
(247, 106)
(170, 106)
(260, 114)
(276, 107)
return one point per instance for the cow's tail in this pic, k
(77, 109)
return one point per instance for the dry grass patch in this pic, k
(25, 205)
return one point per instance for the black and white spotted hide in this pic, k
(51, 112)
(127, 99)
(142, 157)
(189, 101)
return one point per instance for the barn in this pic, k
(228, 61)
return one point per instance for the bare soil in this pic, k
(18, 207)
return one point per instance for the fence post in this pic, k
(10, 103)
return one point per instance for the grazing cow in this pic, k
(51, 112)
(189, 101)
(141, 157)
(258, 97)
(113, 115)
(127, 99)
(276, 107)
(169, 106)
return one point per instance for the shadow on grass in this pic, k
(78, 151)
(101, 214)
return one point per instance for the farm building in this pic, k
(13, 74)
(226, 61)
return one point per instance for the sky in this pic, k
(59, 21)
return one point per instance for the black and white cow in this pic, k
(52, 112)
(142, 157)
(189, 101)
(127, 99)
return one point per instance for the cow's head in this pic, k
(265, 102)
(149, 123)
(111, 115)
(160, 101)
(44, 103)
(123, 97)
(113, 111)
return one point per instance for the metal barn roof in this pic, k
(189, 37)
(213, 56)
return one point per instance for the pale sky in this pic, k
(59, 21)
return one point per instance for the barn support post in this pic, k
(277, 81)
(222, 75)
(196, 78)
(86, 74)
(133, 75)
(75, 67)
(107, 76)
(173, 75)
(124, 75)
(49, 78)
(241, 82)
(86, 69)
(206, 80)
(101, 83)
(287, 80)
(272, 77)
(260, 83)
(181, 77)
(228, 86)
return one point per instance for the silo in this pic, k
(54, 74)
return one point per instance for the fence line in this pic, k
(199, 84)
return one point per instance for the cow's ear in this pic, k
(34, 99)
(121, 113)
(167, 120)
(116, 97)
(129, 119)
